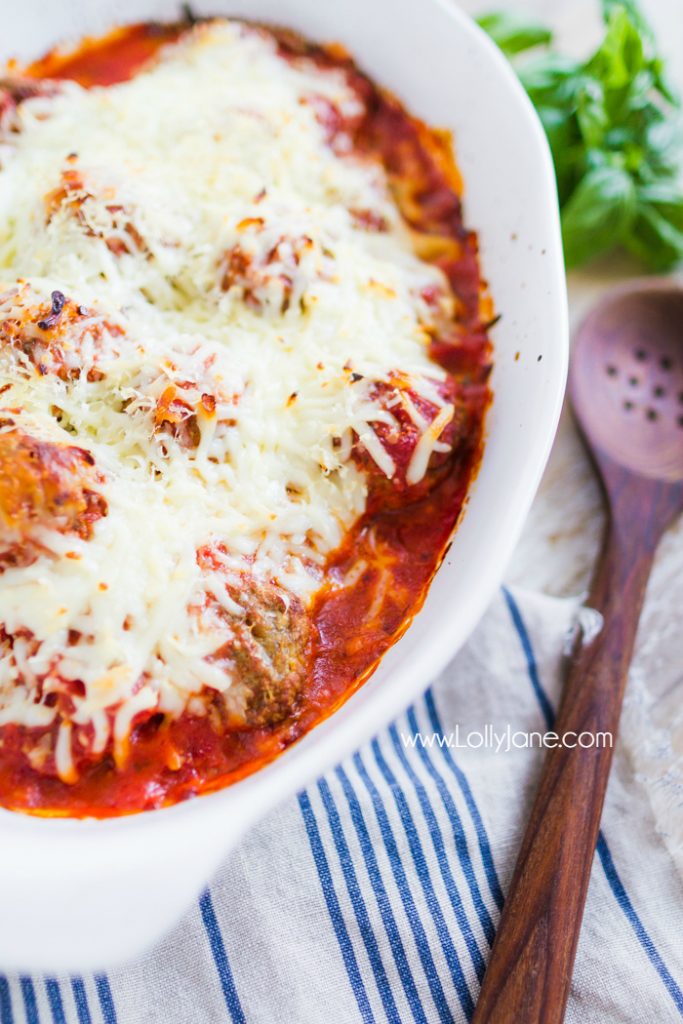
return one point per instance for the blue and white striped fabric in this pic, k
(374, 895)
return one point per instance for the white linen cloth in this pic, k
(373, 896)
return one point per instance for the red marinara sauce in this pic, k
(399, 545)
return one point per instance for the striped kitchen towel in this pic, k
(373, 896)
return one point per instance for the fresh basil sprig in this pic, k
(613, 124)
(513, 33)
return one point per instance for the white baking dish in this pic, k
(79, 895)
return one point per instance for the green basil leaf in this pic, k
(566, 148)
(620, 57)
(662, 145)
(591, 113)
(598, 215)
(551, 79)
(634, 13)
(667, 198)
(657, 240)
(663, 84)
(513, 33)
(657, 71)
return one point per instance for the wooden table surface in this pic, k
(562, 536)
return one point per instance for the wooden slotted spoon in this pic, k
(626, 386)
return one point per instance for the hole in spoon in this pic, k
(612, 372)
(629, 405)
(659, 391)
(641, 355)
(633, 381)
(651, 414)
(666, 362)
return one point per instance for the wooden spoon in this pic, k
(626, 386)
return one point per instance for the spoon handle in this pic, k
(530, 969)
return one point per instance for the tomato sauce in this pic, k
(392, 553)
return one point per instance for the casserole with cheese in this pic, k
(243, 384)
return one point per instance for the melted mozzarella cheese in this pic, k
(201, 217)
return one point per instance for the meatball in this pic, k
(400, 441)
(43, 484)
(268, 653)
